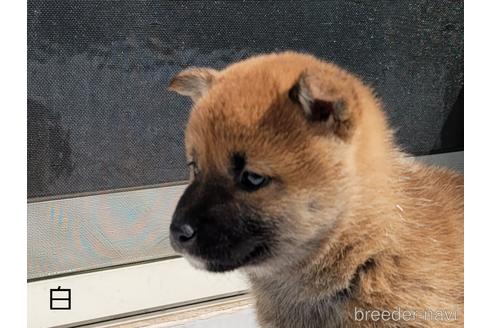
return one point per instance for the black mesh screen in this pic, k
(99, 115)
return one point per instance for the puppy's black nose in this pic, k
(183, 235)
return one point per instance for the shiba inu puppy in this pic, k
(296, 180)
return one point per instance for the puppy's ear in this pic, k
(321, 103)
(193, 82)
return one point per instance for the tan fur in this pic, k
(364, 227)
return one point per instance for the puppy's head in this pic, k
(270, 145)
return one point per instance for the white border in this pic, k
(478, 179)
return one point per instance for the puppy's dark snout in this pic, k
(183, 234)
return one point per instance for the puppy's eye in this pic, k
(252, 181)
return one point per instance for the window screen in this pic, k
(99, 115)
